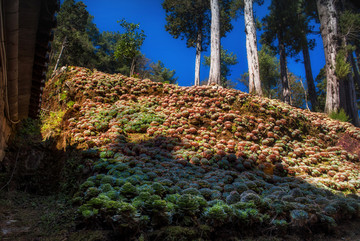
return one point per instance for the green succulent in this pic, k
(128, 190)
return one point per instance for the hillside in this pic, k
(163, 162)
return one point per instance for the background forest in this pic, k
(287, 35)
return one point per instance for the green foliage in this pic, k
(349, 24)
(128, 190)
(285, 21)
(226, 59)
(321, 86)
(185, 19)
(218, 214)
(159, 73)
(51, 122)
(187, 204)
(340, 115)
(75, 24)
(297, 91)
(237, 7)
(342, 68)
(129, 43)
(269, 72)
(29, 131)
(106, 46)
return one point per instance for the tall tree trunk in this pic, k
(309, 76)
(357, 55)
(351, 104)
(132, 67)
(251, 49)
(283, 71)
(215, 74)
(355, 69)
(328, 29)
(61, 52)
(348, 93)
(198, 56)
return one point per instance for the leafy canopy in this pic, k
(76, 27)
(159, 73)
(186, 18)
(129, 43)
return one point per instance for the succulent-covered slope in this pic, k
(163, 155)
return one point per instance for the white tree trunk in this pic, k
(251, 49)
(198, 58)
(61, 52)
(132, 67)
(215, 74)
(328, 21)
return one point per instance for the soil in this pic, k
(30, 217)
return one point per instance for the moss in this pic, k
(51, 123)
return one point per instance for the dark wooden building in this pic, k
(26, 33)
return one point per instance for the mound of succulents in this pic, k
(163, 155)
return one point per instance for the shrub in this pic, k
(340, 115)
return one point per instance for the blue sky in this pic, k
(160, 45)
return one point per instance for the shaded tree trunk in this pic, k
(328, 29)
(357, 55)
(355, 69)
(348, 94)
(348, 100)
(198, 56)
(251, 49)
(283, 72)
(351, 94)
(215, 74)
(309, 76)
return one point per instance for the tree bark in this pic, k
(355, 69)
(61, 52)
(251, 49)
(357, 55)
(348, 103)
(198, 56)
(309, 76)
(132, 67)
(283, 72)
(328, 29)
(215, 74)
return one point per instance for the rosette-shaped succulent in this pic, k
(298, 217)
(192, 191)
(250, 196)
(187, 204)
(128, 190)
(233, 197)
(158, 188)
(218, 215)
